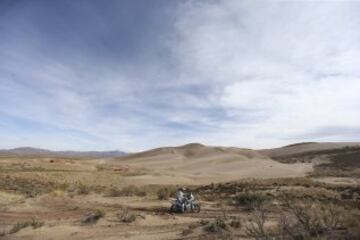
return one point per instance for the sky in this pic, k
(137, 74)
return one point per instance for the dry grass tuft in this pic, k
(165, 193)
(125, 216)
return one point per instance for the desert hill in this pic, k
(194, 151)
(328, 159)
(197, 163)
(306, 147)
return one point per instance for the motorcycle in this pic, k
(187, 206)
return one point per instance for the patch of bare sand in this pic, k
(7, 198)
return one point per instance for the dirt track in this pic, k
(62, 216)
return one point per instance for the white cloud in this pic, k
(290, 66)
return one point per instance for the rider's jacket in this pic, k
(179, 194)
(191, 197)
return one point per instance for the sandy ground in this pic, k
(62, 217)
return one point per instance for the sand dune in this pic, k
(196, 163)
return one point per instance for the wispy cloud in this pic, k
(133, 75)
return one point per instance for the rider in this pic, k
(180, 196)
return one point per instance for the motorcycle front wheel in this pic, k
(173, 208)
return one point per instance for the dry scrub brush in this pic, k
(311, 220)
(300, 220)
(126, 216)
(256, 228)
(20, 225)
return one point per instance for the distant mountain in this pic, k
(23, 151)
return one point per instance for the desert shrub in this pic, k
(28, 187)
(309, 220)
(187, 231)
(82, 189)
(163, 194)
(100, 168)
(332, 216)
(36, 223)
(352, 223)
(204, 222)
(20, 225)
(58, 193)
(249, 200)
(166, 192)
(235, 223)
(125, 216)
(100, 213)
(63, 186)
(132, 190)
(305, 220)
(141, 193)
(127, 191)
(300, 220)
(190, 229)
(256, 228)
(210, 197)
(216, 226)
(93, 217)
(113, 192)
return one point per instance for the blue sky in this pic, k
(138, 74)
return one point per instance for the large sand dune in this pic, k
(196, 163)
